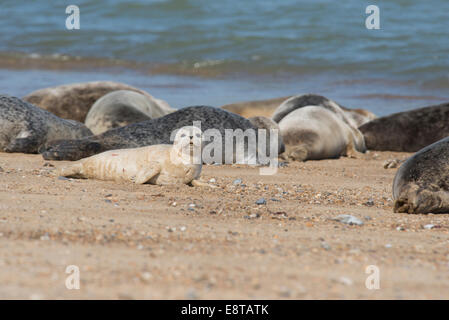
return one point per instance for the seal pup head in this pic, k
(187, 146)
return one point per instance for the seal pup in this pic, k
(407, 131)
(123, 107)
(161, 164)
(313, 133)
(25, 127)
(353, 117)
(150, 132)
(73, 101)
(421, 184)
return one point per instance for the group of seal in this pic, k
(149, 132)
(25, 127)
(131, 136)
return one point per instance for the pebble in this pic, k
(62, 178)
(261, 201)
(429, 226)
(345, 280)
(348, 219)
(388, 245)
(212, 180)
(237, 182)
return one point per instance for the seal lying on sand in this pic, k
(150, 132)
(24, 127)
(161, 164)
(354, 117)
(421, 184)
(73, 101)
(123, 107)
(313, 132)
(407, 131)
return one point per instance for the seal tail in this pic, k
(70, 149)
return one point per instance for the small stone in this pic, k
(261, 201)
(183, 228)
(369, 203)
(62, 178)
(237, 182)
(388, 245)
(45, 237)
(429, 226)
(212, 180)
(325, 245)
(400, 228)
(345, 280)
(348, 219)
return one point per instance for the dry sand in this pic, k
(143, 241)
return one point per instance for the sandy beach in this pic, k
(153, 242)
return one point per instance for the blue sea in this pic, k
(204, 52)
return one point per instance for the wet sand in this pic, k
(153, 242)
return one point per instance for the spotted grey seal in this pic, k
(407, 131)
(162, 164)
(314, 132)
(122, 107)
(421, 184)
(73, 101)
(25, 127)
(150, 132)
(354, 117)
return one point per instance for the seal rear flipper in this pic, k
(23, 145)
(71, 149)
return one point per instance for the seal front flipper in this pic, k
(24, 145)
(146, 174)
(197, 183)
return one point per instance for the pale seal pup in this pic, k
(161, 164)
(407, 131)
(73, 101)
(421, 184)
(354, 117)
(123, 107)
(150, 132)
(313, 133)
(25, 127)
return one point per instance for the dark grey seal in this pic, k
(25, 127)
(421, 184)
(150, 132)
(407, 131)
